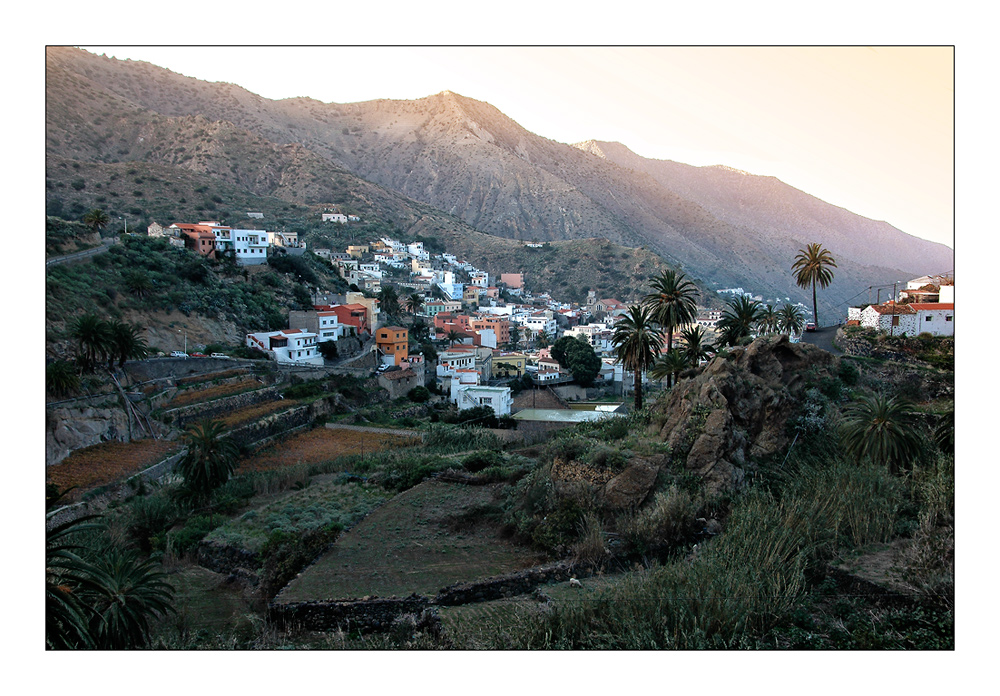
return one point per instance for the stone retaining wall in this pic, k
(121, 491)
(509, 585)
(857, 346)
(185, 415)
(228, 560)
(359, 614)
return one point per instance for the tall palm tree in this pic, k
(515, 336)
(389, 301)
(881, 429)
(126, 343)
(637, 342)
(812, 265)
(669, 365)
(695, 348)
(414, 302)
(767, 320)
(790, 319)
(132, 591)
(96, 219)
(672, 302)
(543, 339)
(453, 337)
(738, 320)
(210, 459)
(93, 340)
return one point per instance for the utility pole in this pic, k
(892, 322)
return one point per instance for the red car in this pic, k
(810, 326)
(198, 355)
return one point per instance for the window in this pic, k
(947, 317)
(928, 318)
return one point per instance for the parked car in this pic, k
(219, 355)
(810, 326)
(198, 355)
(178, 354)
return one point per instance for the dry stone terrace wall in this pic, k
(364, 614)
(185, 415)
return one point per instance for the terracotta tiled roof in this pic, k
(929, 306)
(892, 308)
(400, 374)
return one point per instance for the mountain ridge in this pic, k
(467, 159)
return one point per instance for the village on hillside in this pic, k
(495, 328)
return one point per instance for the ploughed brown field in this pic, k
(321, 444)
(107, 462)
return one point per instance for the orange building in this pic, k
(200, 237)
(501, 325)
(394, 341)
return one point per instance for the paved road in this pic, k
(823, 338)
(105, 245)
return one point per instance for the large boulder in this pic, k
(736, 408)
(69, 429)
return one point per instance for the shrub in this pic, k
(418, 394)
(149, 517)
(181, 541)
(477, 461)
(670, 520)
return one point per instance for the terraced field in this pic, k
(421, 541)
(107, 462)
(321, 444)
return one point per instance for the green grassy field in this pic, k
(420, 541)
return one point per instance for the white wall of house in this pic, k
(300, 349)
(497, 398)
(937, 322)
(907, 323)
(947, 294)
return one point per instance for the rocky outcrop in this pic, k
(736, 409)
(629, 488)
(68, 429)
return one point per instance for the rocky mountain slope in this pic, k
(465, 158)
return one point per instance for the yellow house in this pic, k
(509, 363)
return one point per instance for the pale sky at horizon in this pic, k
(867, 129)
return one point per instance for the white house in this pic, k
(480, 278)
(335, 217)
(256, 216)
(892, 317)
(330, 328)
(472, 395)
(250, 246)
(289, 346)
(451, 362)
(935, 318)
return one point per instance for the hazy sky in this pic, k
(867, 129)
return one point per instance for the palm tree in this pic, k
(96, 219)
(668, 365)
(515, 336)
(767, 320)
(67, 579)
(738, 320)
(131, 592)
(126, 343)
(389, 301)
(543, 339)
(637, 342)
(453, 337)
(695, 348)
(414, 302)
(790, 319)
(209, 461)
(672, 302)
(812, 265)
(137, 283)
(881, 429)
(93, 340)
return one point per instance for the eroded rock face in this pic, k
(68, 429)
(735, 410)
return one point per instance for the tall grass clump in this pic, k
(449, 439)
(670, 520)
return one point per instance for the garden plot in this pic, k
(320, 445)
(321, 504)
(106, 463)
(424, 539)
